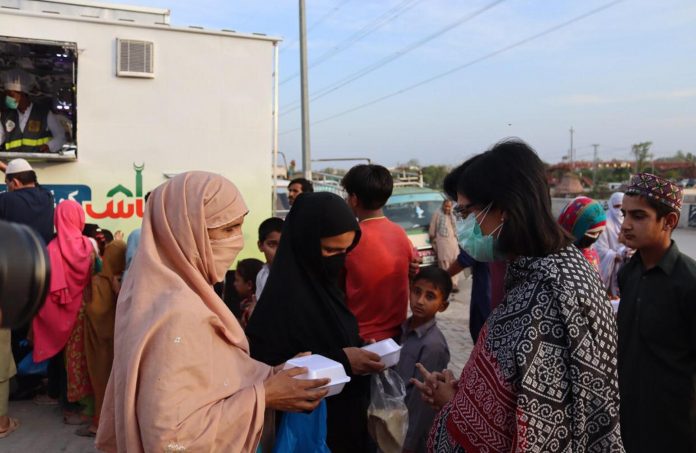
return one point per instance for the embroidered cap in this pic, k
(17, 166)
(656, 188)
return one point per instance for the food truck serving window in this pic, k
(38, 111)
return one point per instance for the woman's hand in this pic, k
(437, 389)
(363, 362)
(286, 393)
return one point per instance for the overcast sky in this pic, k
(623, 75)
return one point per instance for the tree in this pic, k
(641, 153)
(434, 175)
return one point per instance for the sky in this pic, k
(622, 75)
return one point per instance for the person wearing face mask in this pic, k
(182, 378)
(612, 253)
(585, 220)
(26, 127)
(302, 308)
(543, 374)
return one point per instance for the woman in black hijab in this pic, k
(302, 309)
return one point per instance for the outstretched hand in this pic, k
(437, 388)
(363, 362)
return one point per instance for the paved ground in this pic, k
(42, 431)
(686, 240)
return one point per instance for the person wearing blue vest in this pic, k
(27, 127)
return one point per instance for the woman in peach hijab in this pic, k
(182, 378)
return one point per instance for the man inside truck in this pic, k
(26, 127)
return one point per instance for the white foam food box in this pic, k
(319, 367)
(388, 351)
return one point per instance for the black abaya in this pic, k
(303, 309)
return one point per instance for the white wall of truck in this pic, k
(208, 107)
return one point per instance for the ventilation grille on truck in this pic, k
(134, 58)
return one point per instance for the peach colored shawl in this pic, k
(182, 378)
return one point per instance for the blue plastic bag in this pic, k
(303, 433)
(28, 367)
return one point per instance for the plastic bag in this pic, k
(302, 433)
(387, 413)
(28, 367)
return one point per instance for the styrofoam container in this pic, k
(319, 367)
(387, 350)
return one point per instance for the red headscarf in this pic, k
(71, 261)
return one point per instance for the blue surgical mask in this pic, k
(11, 103)
(472, 241)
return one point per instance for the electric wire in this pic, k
(470, 63)
(390, 58)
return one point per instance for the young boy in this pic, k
(656, 323)
(245, 285)
(376, 280)
(422, 342)
(269, 239)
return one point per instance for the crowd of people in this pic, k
(152, 359)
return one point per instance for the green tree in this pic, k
(434, 175)
(641, 153)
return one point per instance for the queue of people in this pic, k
(169, 367)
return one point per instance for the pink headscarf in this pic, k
(71, 262)
(182, 378)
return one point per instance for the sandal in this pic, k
(85, 431)
(12, 427)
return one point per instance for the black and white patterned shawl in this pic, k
(544, 378)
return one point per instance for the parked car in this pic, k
(412, 208)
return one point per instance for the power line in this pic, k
(388, 16)
(319, 21)
(466, 65)
(394, 56)
(327, 15)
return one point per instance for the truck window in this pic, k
(38, 93)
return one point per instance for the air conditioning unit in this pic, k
(134, 58)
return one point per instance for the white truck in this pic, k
(141, 101)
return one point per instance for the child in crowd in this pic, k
(422, 342)
(269, 238)
(245, 285)
(656, 323)
(376, 271)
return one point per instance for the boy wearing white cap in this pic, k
(24, 126)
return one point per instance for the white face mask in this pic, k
(224, 253)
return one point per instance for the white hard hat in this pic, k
(18, 166)
(18, 80)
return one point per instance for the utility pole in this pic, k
(306, 151)
(594, 168)
(570, 151)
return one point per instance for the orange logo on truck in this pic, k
(122, 209)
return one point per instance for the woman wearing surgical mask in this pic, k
(182, 378)
(612, 253)
(302, 308)
(542, 376)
